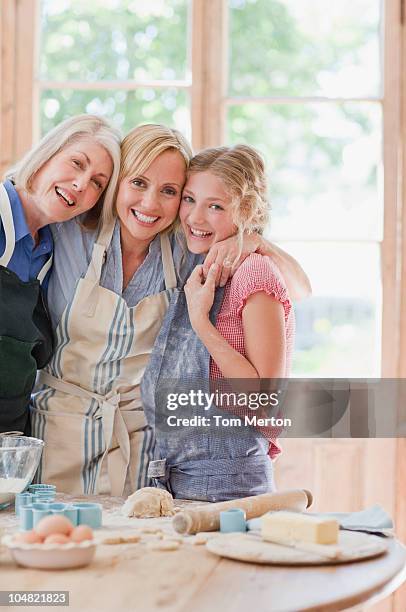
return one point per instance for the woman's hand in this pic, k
(229, 255)
(200, 295)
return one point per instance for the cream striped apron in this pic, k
(88, 408)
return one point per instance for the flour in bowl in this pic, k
(9, 487)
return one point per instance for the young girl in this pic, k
(226, 194)
(252, 336)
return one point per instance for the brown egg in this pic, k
(28, 537)
(54, 524)
(56, 538)
(81, 533)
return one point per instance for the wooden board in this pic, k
(250, 547)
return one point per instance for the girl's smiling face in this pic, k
(205, 212)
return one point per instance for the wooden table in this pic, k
(132, 577)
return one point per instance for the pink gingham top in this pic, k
(256, 273)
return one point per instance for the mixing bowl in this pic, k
(19, 459)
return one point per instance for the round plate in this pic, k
(251, 547)
(51, 556)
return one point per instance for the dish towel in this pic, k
(371, 520)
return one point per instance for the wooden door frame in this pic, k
(18, 40)
(209, 72)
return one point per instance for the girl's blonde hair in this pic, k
(143, 144)
(242, 170)
(69, 131)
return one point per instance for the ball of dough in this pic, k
(149, 502)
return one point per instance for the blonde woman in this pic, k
(74, 167)
(88, 409)
(244, 333)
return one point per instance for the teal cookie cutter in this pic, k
(233, 520)
(79, 513)
(27, 498)
(32, 505)
(41, 488)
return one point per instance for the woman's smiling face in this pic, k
(205, 212)
(72, 181)
(148, 203)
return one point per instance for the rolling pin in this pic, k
(207, 518)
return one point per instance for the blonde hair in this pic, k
(143, 144)
(242, 170)
(69, 131)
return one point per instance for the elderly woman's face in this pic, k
(72, 181)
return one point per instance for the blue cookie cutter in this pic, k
(89, 514)
(233, 520)
(38, 502)
(27, 498)
(41, 488)
(79, 513)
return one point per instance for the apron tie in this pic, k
(113, 424)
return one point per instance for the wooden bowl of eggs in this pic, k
(54, 544)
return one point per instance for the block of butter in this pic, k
(284, 526)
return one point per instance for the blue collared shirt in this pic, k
(27, 259)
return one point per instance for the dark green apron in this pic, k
(25, 332)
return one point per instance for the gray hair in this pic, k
(69, 131)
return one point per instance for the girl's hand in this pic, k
(200, 294)
(226, 254)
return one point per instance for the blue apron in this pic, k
(195, 462)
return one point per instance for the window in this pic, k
(318, 92)
(126, 60)
(308, 94)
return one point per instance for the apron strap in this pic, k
(6, 217)
(167, 263)
(99, 250)
(112, 423)
(44, 270)
(93, 273)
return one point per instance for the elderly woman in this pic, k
(72, 168)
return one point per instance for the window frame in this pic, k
(393, 101)
(20, 90)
